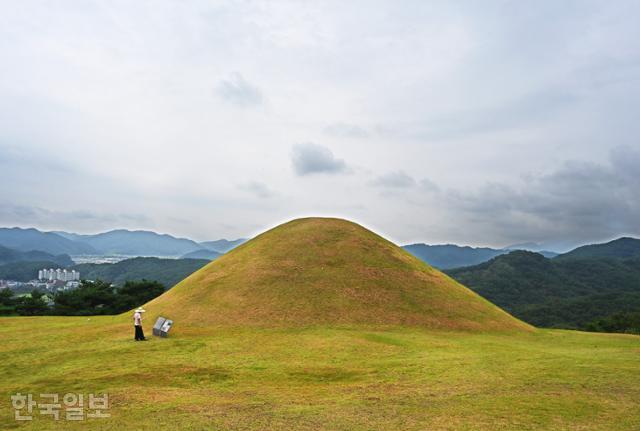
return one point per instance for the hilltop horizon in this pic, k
(558, 246)
(319, 271)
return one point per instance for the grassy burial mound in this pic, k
(320, 271)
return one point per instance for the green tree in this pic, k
(7, 302)
(100, 297)
(618, 322)
(32, 305)
(136, 293)
(92, 297)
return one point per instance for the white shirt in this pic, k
(137, 319)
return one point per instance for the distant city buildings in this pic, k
(58, 275)
(54, 279)
(50, 280)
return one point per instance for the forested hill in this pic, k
(619, 248)
(567, 293)
(452, 256)
(167, 271)
(8, 255)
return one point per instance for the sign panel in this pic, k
(166, 326)
(158, 326)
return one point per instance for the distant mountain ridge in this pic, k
(625, 247)
(447, 256)
(32, 239)
(8, 255)
(136, 243)
(548, 250)
(115, 242)
(222, 245)
(149, 243)
(201, 254)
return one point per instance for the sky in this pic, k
(481, 123)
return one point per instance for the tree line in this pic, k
(89, 299)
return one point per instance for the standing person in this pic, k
(137, 323)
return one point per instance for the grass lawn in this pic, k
(347, 378)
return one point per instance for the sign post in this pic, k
(162, 327)
(166, 326)
(158, 325)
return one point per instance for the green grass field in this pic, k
(350, 378)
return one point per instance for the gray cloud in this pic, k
(315, 159)
(24, 215)
(429, 186)
(19, 157)
(581, 201)
(398, 180)
(521, 111)
(258, 189)
(138, 218)
(237, 91)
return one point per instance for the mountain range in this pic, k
(116, 242)
(32, 239)
(446, 256)
(201, 254)
(222, 245)
(8, 255)
(624, 247)
(569, 291)
(147, 243)
(135, 243)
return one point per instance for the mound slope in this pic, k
(320, 271)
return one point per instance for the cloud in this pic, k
(19, 157)
(24, 215)
(315, 159)
(139, 218)
(142, 118)
(346, 130)
(578, 201)
(237, 91)
(258, 189)
(427, 185)
(398, 180)
(520, 111)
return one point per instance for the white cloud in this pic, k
(160, 111)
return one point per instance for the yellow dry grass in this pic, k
(326, 271)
